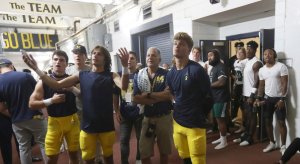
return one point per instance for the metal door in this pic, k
(221, 45)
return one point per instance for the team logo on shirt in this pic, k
(186, 76)
(160, 79)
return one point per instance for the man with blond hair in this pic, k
(189, 84)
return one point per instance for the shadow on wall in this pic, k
(224, 3)
(291, 102)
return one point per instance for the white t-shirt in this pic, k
(209, 67)
(73, 69)
(239, 71)
(272, 76)
(202, 63)
(248, 86)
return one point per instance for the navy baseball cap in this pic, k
(5, 62)
(79, 49)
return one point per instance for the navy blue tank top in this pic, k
(97, 100)
(62, 109)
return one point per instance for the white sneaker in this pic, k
(241, 129)
(227, 134)
(138, 162)
(221, 146)
(282, 149)
(270, 147)
(216, 141)
(244, 143)
(209, 131)
(238, 140)
(234, 119)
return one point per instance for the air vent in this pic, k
(116, 26)
(214, 1)
(147, 11)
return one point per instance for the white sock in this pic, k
(223, 139)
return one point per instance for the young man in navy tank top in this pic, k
(63, 121)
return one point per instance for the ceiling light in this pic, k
(95, 1)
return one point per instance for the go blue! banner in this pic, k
(13, 42)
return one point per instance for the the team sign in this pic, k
(28, 42)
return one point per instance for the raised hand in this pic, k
(29, 60)
(124, 56)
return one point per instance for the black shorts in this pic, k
(269, 109)
(248, 107)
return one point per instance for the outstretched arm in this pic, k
(65, 83)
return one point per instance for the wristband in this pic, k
(282, 98)
(253, 90)
(125, 71)
(39, 72)
(259, 98)
(47, 102)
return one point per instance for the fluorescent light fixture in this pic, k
(95, 1)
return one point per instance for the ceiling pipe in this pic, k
(100, 19)
(75, 25)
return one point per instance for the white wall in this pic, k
(183, 11)
(185, 25)
(203, 31)
(287, 38)
(128, 19)
(247, 26)
(196, 9)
